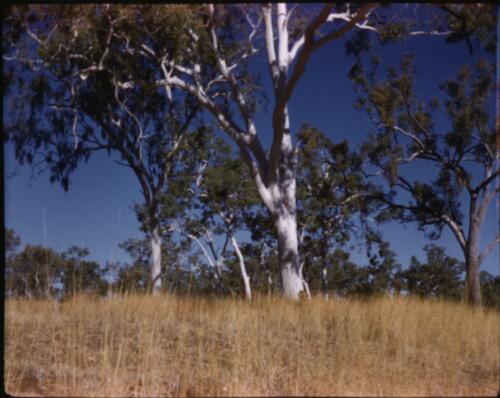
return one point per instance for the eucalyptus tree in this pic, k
(135, 275)
(221, 197)
(490, 289)
(345, 278)
(461, 153)
(409, 132)
(440, 276)
(227, 193)
(261, 251)
(383, 268)
(333, 197)
(80, 275)
(78, 84)
(34, 273)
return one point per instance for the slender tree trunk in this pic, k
(243, 270)
(155, 240)
(219, 265)
(265, 266)
(472, 286)
(324, 280)
(324, 268)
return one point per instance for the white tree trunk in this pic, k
(288, 252)
(155, 241)
(243, 270)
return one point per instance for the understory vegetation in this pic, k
(166, 345)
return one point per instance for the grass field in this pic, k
(160, 346)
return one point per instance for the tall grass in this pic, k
(160, 346)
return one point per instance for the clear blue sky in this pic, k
(96, 211)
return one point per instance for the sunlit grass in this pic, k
(158, 346)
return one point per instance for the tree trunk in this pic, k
(288, 253)
(285, 216)
(243, 270)
(155, 241)
(324, 280)
(472, 285)
(324, 268)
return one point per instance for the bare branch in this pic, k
(271, 51)
(488, 249)
(486, 181)
(131, 114)
(457, 231)
(75, 117)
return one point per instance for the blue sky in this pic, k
(96, 211)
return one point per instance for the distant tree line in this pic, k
(41, 273)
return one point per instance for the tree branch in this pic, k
(488, 249)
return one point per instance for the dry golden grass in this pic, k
(160, 346)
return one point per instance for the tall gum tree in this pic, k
(464, 179)
(464, 157)
(287, 55)
(77, 87)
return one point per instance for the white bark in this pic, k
(324, 279)
(243, 270)
(288, 252)
(155, 240)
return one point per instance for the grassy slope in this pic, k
(147, 346)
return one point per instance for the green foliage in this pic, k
(333, 199)
(136, 276)
(39, 272)
(405, 132)
(89, 84)
(383, 266)
(34, 273)
(344, 278)
(473, 24)
(440, 276)
(490, 289)
(81, 276)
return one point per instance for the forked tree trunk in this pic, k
(155, 240)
